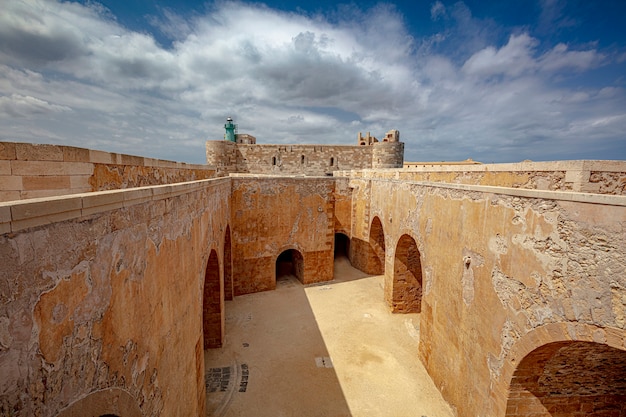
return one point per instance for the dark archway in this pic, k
(290, 263)
(407, 277)
(376, 261)
(228, 266)
(570, 378)
(213, 304)
(342, 245)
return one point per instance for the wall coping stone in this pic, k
(605, 199)
(23, 214)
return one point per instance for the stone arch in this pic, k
(290, 262)
(406, 294)
(576, 378)
(228, 266)
(566, 369)
(213, 304)
(107, 402)
(376, 261)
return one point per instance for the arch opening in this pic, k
(213, 304)
(407, 277)
(290, 263)
(342, 246)
(228, 266)
(376, 261)
(573, 378)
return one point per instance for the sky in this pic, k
(495, 81)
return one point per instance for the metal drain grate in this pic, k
(217, 379)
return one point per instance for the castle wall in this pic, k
(503, 272)
(94, 287)
(101, 300)
(599, 177)
(271, 215)
(32, 171)
(310, 160)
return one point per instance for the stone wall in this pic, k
(497, 268)
(312, 160)
(101, 300)
(271, 215)
(513, 284)
(600, 177)
(33, 171)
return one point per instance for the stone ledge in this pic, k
(23, 214)
(605, 199)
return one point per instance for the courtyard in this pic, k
(331, 349)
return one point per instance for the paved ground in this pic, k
(326, 350)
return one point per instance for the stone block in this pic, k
(9, 195)
(42, 211)
(134, 196)
(80, 181)
(100, 157)
(5, 213)
(44, 207)
(10, 183)
(35, 152)
(5, 167)
(7, 150)
(48, 182)
(72, 154)
(50, 168)
(24, 195)
(102, 201)
(131, 160)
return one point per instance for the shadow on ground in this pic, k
(330, 349)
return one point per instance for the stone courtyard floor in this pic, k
(330, 349)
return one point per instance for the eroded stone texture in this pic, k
(497, 268)
(112, 301)
(272, 215)
(573, 378)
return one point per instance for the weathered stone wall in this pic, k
(33, 171)
(271, 215)
(312, 160)
(102, 307)
(600, 177)
(496, 267)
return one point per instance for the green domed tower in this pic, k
(231, 130)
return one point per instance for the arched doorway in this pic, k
(290, 263)
(407, 277)
(213, 304)
(228, 266)
(569, 378)
(342, 245)
(376, 261)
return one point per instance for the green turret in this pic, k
(231, 129)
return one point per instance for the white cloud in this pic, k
(287, 77)
(24, 106)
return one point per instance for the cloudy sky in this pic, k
(495, 81)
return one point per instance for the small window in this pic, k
(302, 159)
(332, 162)
(273, 160)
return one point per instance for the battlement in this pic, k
(246, 156)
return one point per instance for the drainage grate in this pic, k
(217, 379)
(245, 372)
